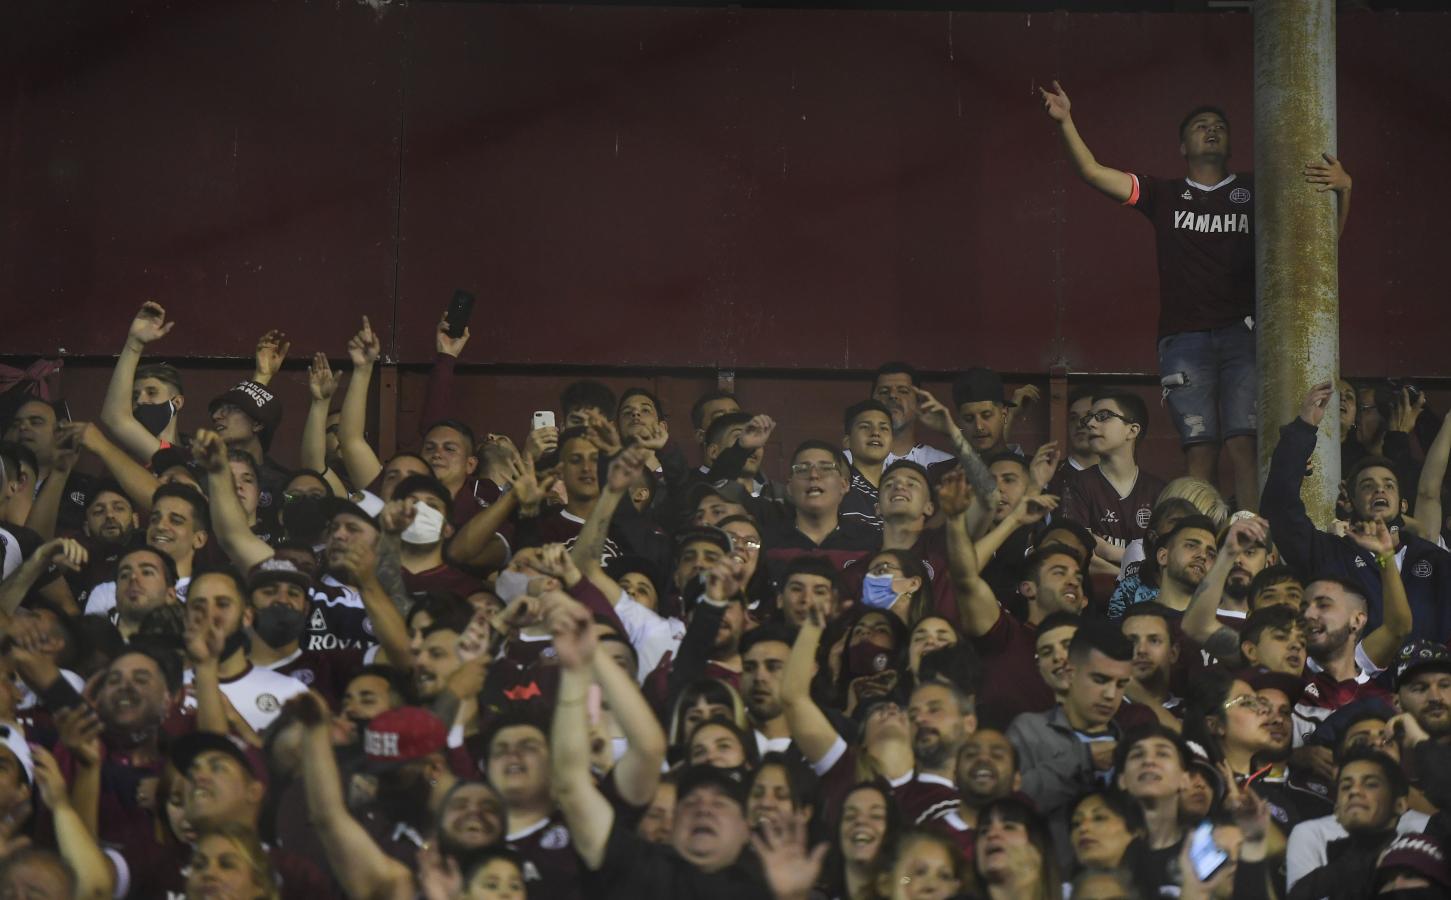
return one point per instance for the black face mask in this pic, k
(154, 417)
(302, 518)
(279, 625)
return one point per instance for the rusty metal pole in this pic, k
(1296, 281)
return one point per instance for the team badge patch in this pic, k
(1422, 569)
(556, 838)
(268, 703)
(1239, 195)
(1142, 517)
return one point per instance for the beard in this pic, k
(1236, 589)
(1331, 643)
(930, 749)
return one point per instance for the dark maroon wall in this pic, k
(656, 186)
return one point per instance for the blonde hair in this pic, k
(1200, 494)
(245, 840)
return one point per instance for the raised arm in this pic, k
(1433, 475)
(1031, 509)
(1201, 621)
(322, 382)
(135, 479)
(362, 462)
(637, 773)
(1111, 182)
(372, 569)
(95, 875)
(269, 356)
(56, 551)
(977, 607)
(1396, 621)
(588, 814)
(229, 522)
(1280, 501)
(934, 415)
(80, 733)
(810, 728)
(590, 543)
(360, 866)
(203, 644)
(116, 409)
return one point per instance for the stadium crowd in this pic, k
(619, 659)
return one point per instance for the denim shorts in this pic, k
(1210, 383)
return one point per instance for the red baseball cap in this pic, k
(402, 735)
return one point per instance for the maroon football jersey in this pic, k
(925, 798)
(559, 526)
(551, 867)
(1011, 684)
(325, 671)
(1206, 249)
(444, 579)
(1089, 499)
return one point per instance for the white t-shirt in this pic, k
(102, 598)
(257, 694)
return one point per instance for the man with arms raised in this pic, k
(896, 387)
(1204, 231)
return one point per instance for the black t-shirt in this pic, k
(1206, 249)
(634, 869)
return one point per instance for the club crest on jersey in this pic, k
(1422, 569)
(268, 703)
(556, 838)
(1239, 195)
(306, 676)
(1142, 517)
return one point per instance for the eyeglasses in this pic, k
(820, 468)
(1103, 415)
(740, 543)
(1254, 703)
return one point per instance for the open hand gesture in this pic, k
(572, 628)
(64, 552)
(322, 381)
(271, 351)
(1244, 533)
(653, 437)
(603, 434)
(1034, 508)
(80, 732)
(780, 844)
(150, 324)
(1055, 102)
(364, 347)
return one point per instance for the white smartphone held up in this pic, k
(543, 418)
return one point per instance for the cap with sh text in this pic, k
(402, 735)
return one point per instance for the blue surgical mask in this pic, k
(877, 591)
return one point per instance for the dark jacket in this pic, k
(1426, 569)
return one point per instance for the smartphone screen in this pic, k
(1204, 854)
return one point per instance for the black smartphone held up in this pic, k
(460, 308)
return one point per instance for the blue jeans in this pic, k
(1210, 383)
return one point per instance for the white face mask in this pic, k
(510, 584)
(427, 527)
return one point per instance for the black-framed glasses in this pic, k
(1103, 415)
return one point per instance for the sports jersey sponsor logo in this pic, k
(1187, 195)
(78, 498)
(1359, 563)
(1239, 195)
(318, 622)
(1109, 517)
(332, 642)
(1205, 223)
(556, 838)
(268, 703)
(1422, 569)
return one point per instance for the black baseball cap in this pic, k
(185, 750)
(725, 780)
(1417, 656)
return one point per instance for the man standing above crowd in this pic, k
(1204, 225)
